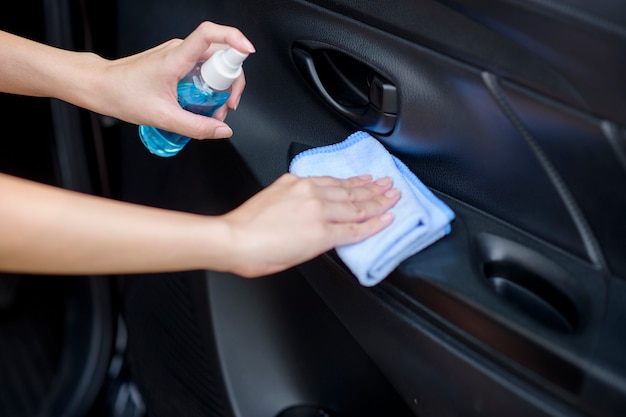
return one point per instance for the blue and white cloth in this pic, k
(420, 218)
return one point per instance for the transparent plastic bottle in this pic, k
(204, 90)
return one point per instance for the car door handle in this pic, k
(350, 87)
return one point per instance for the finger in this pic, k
(357, 181)
(328, 181)
(236, 92)
(221, 113)
(325, 181)
(347, 233)
(197, 126)
(355, 192)
(350, 211)
(198, 42)
(212, 49)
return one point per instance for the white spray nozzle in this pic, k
(222, 68)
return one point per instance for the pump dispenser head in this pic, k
(222, 68)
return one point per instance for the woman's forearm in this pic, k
(44, 229)
(35, 69)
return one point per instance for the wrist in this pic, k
(217, 249)
(90, 85)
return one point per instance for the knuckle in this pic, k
(354, 232)
(356, 211)
(362, 213)
(195, 130)
(305, 186)
(207, 26)
(286, 178)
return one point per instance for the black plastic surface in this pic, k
(57, 335)
(285, 352)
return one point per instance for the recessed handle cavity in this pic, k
(531, 283)
(350, 87)
(532, 295)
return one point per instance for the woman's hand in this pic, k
(141, 88)
(296, 219)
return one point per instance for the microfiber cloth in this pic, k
(420, 218)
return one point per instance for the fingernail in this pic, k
(249, 46)
(383, 181)
(223, 132)
(367, 177)
(387, 217)
(393, 193)
(236, 104)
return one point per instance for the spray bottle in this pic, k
(205, 89)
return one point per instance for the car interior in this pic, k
(512, 112)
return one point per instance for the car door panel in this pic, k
(512, 112)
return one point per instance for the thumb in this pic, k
(197, 126)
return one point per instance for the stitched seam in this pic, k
(589, 240)
(616, 141)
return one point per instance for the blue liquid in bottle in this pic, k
(191, 98)
(194, 96)
(197, 94)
